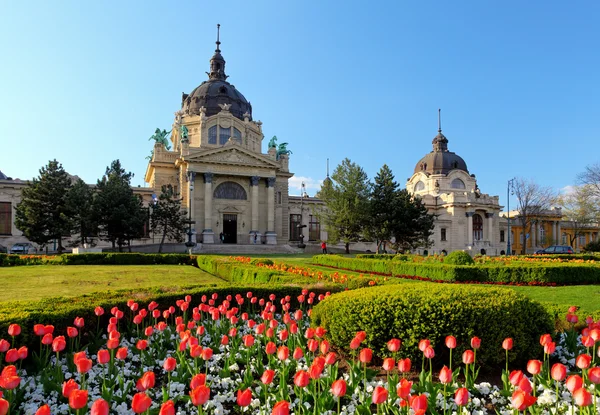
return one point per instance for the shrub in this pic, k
(415, 311)
(459, 258)
(263, 261)
(376, 256)
(593, 246)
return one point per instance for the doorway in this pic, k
(230, 228)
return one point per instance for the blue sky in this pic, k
(518, 82)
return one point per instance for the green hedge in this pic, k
(562, 273)
(376, 256)
(567, 257)
(104, 258)
(412, 312)
(61, 311)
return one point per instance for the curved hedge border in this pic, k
(521, 273)
(99, 258)
(412, 312)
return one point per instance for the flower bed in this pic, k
(99, 258)
(245, 353)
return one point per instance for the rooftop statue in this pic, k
(273, 142)
(282, 149)
(184, 133)
(161, 137)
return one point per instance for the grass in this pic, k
(42, 281)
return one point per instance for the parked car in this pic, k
(556, 249)
(23, 248)
(3, 249)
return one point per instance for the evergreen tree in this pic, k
(384, 215)
(43, 214)
(347, 199)
(117, 211)
(414, 224)
(80, 200)
(167, 218)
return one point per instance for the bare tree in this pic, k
(533, 200)
(589, 182)
(580, 208)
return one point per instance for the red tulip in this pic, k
(419, 404)
(507, 344)
(59, 344)
(267, 376)
(146, 382)
(450, 342)
(4, 345)
(68, 387)
(103, 356)
(14, 330)
(587, 341)
(170, 364)
(207, 353)
(330, 358)
(112, 344)
(140, 403)
(43, 410)
(574, 382)
(100, 407)
(200, 395)
(338, 388)
(468, 357)
(122, 353)
(429, 352)
(582, 397)
(83, 365)
(248, 340)
(12, 355)
(446, 375)
(389, 363)
(78, 399)
(244, 397)
(324, 347)
(380, 395)
(365, 355)
(534, 367)
(197, 380)
(550, 348)
(403, 389)
(281, 408)
(583, 361)
(522, 400)
(394, 345)
(525, 385)
(423, 344)
(316, 369)
(283, 353)
(298, 353)
(475, 342)
(78, 322)
(301, 379)
(142, 344)
(72, 332)
(545, 339)
(515, 377)
(461, 396)
(167, 408)
(47, 339)
(558, 372)
(404, 365)
(594, 375)
(270, 348)
(4, 406)
(312, 345)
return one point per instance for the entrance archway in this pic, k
(229, 228)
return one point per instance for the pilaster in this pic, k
(490, 219)
(208, 236)
(271, 234)
(470, 228)
(254, 180)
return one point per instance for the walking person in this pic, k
(255, 237)
(222, 237)
(324, 247)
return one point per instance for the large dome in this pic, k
(440, 160)
(215, 92)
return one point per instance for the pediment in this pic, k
(231, 155)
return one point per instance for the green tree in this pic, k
(414, 225)
(167, 218)
(383, 208)
(43, 214)
(347, 199)
(117, 211)
(80, 200)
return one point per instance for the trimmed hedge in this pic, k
(61, 311)
(376, 256)
(563, 273)
(459, 258)
(412, 312)
(99, 258)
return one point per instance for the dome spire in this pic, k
(439, 120)
(217, 63)
(440, 142)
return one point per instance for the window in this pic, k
(222, 90)
(522, 239)
(279, 198)
(237, 135)
(224, 134)
(294, 229)
(542, 234)
(501, 236)
(212, 135)
(477, 227)
(443, 234)
(419, 186)
(458, 184)
(314, 229)
(5, 218)
(582, 240)
(564, 238)
(230, 190)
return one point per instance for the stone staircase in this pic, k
(245, 249)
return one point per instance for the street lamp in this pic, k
(191, 175)
(301, 226)
(510, 189)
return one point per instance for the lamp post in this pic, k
(301, 226)
(509, 188)
(191, 175)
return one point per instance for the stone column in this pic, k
(490, 217)
(470, 228)
(558, 233)
(271, 234)
(254, 180)
(208, 236)
(554, 236)
(191, 177)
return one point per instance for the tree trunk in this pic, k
(129, 245)
(162, 241)
(347, 247)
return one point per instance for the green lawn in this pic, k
(41, 281)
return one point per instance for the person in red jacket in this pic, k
(324, 247)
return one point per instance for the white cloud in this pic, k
(312, 185)
(567, 190)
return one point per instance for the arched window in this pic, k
(477, 227)
(224, 134)
(419, 186)
(212, 135)
(423, 166)
(230, 190)
(237, 135)
(542, 234)
(458, 184)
